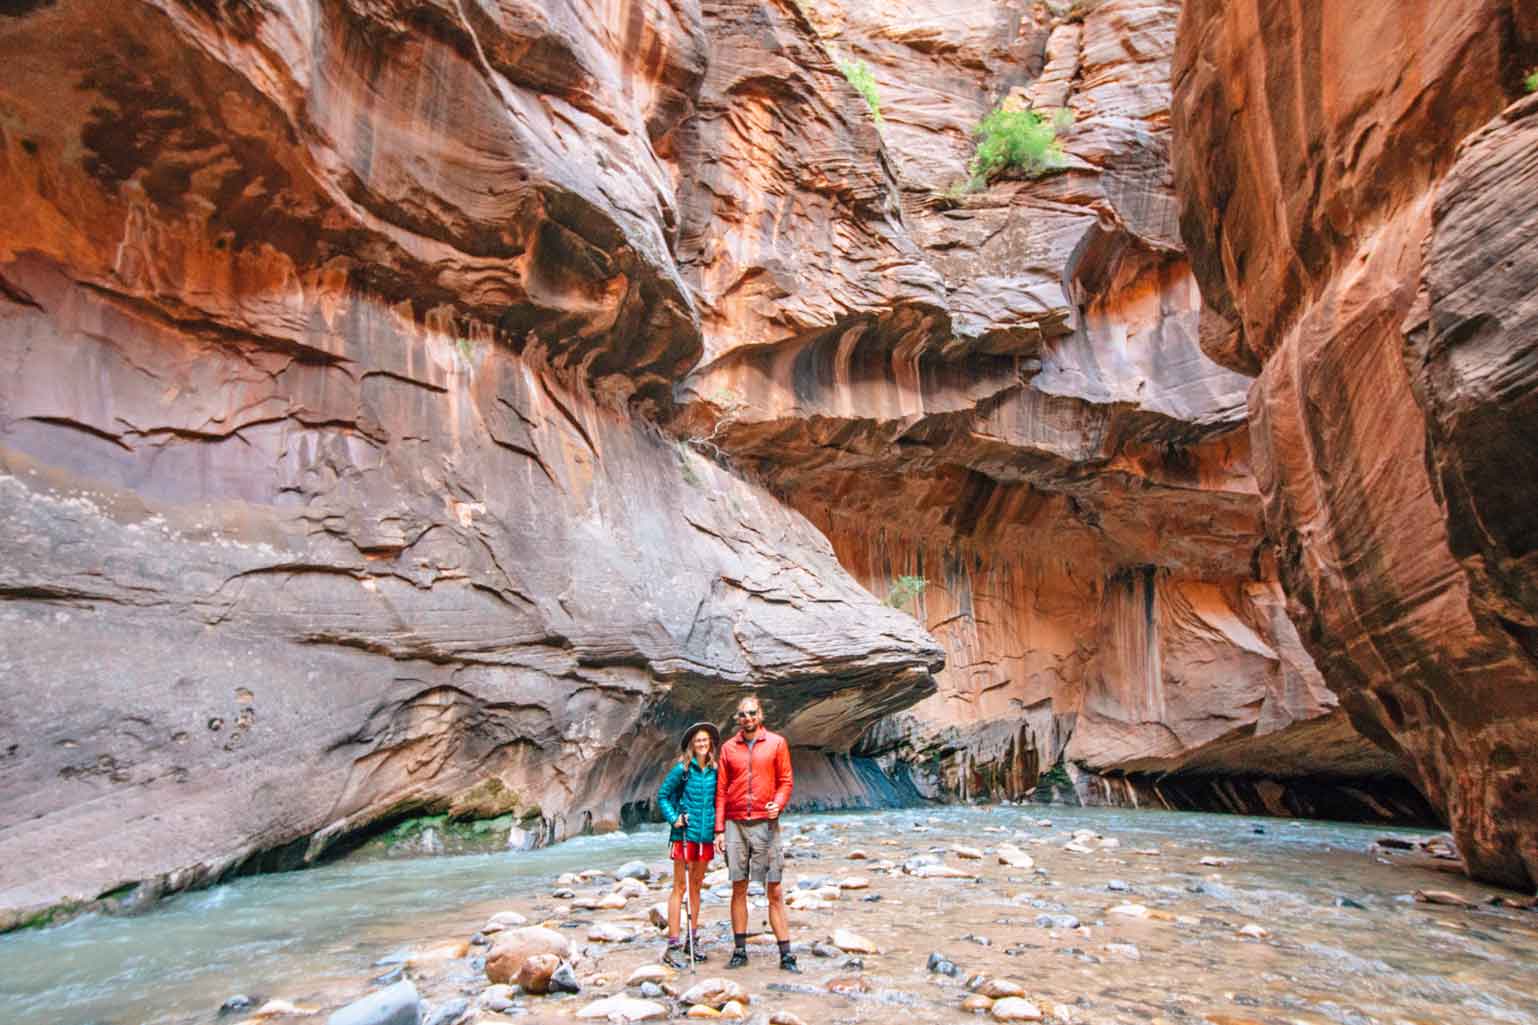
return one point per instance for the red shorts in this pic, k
(688, 850)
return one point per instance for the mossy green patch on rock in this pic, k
(487, 799)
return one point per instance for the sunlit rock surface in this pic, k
(323, 332)
(1031, 426)
(1364, 235)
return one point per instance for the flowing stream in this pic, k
(1344, 941)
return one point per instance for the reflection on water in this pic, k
(1344, 943)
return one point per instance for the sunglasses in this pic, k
(749, 715)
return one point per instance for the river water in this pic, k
(1344, 943)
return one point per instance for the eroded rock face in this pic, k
(1031, 426)
(1363, 235)
(322, 503)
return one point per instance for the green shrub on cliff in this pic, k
(1530, 83)
(859, 75)
(1017, 140)
(905, 590)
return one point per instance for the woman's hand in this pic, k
(683, 820)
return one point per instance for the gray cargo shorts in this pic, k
(753, 850)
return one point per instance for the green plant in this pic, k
(466, 348)
(686, 464)
(904, 590)
(1021, 140)
(1530, 83)
(859, 75)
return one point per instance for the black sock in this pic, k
(784, 948)
(740, 941)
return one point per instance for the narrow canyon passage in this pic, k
(414, 414)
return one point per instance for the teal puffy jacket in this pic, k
(689, 790)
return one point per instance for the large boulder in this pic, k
(513, 948)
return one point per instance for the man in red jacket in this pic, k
(753, 785)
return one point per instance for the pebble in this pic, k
(1056, 922)
(969, 853)
(825, 950)
(1130, 911)
(976, 1003)
(608, 932)
(702, 1011)
(938, 872)
(239, 1002)
(634, 870)
(1254, 930)
(1117, 886)
(652, 991)
(857, 855)
(784, 1018)
(623, 1009)
(1126, 950)
(853, 883)
(733, 1011)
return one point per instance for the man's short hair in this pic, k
(750, 697)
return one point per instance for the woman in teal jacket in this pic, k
(687, 800)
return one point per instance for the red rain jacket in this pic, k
(747, 780)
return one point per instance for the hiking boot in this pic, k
(788, 964)
(739, 959)
(676, 957)
(700, 955)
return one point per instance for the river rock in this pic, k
(1444, 897)
(702, 1011)
(564, 980)
(940, 872)
(634, 870)
(608, 932)
(997, 989)
(784, 1018)
(504, 920)
(976, 1003)
(600, 902)
(239, 1002)
(1015, 1009)
(853, 883)
(942, 965)
(714, 992)
(1075, 847)
(623, 1009)
(397, 1005)
(1125, 950)
(852, 942)
(283, 1009)
(534, 974)
(1130, 911)
(515, 946)
(1254, 931)
(451, 1012)
(649, 973)
(969, 853)
(1014, 857)
(630, 887)
(733, 1010)
(820, 949)
(498, 998)
(848, 984)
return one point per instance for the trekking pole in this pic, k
(689, 926)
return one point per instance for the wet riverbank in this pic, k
(1286, 921)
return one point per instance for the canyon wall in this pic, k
(1017, 410)
(1365, 233)
(324, 334)
(411, 405)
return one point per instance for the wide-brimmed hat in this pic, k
(709, 727)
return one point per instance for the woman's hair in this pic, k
(710, 756)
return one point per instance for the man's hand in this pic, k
(720, 837)
(773, 809)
